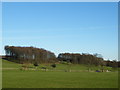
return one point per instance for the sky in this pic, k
(75, 27)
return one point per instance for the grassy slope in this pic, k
(8, 64)
(41, 79)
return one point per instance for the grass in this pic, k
(36, 79)
(8, 64)
(16, 78)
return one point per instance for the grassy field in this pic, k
(16, 78)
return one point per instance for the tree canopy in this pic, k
(39, 55)
(29, 54)
(77, 58)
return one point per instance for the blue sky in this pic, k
(63, 27)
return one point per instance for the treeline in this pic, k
(29, 55)
(113, 63)
(87, 59)
(39, 55)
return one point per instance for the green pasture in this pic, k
(8, 64)
(57, 77)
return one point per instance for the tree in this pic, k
(29, 54)
(84, 58)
